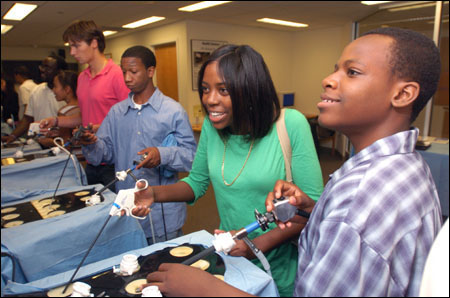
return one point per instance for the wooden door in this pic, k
(166, 69)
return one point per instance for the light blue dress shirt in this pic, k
(126, 130)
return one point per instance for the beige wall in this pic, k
(298, 61)
(315, 54)
(274, 46)
(30, 53)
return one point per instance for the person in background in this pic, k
(239, 152)
(64, 87)
(9, 105)
(100, 86)
(371, 230)
(146, 123)
(42, 103)
(22, 77)
(10, 101)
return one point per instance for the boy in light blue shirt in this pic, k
(147, 122)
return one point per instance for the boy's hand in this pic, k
(296, 197)
(152, 160)
(8, 139)
(87, 137)
(179, 280)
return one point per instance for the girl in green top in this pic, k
(240, 154)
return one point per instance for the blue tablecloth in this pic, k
(239, 273)
(41, 173)
(437, 159)
(54, 245)
(9, 152)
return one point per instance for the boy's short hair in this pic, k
(23, 71)
(61, 63)
(145, 54)
(85, 31)
(414, 57)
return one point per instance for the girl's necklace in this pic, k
(223, 163)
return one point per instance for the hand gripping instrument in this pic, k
(125, 201)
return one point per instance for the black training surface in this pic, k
(67, 202)
(111, 284)
(30, 157)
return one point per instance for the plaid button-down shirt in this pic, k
(371, 230)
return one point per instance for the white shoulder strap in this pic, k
(285, 143)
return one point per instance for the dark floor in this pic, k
(204, 216)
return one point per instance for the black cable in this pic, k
(164, 221)
(108, 185)
(21, 149)
(4, 254)
(62, 174)
(199, 256)
(303, 213)
(162, 211)
(85, 256)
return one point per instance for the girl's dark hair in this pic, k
(85, 31)
(254, 99)
(68, 78)
(414, 57)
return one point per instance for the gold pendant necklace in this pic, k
(223, 162)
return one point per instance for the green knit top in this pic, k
(265, 165)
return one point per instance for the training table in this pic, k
(50, 246)
(239, 273)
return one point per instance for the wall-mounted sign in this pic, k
(200, 52)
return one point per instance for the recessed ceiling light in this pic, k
(281, 22)
(374, 2)
(201, 5)
(143, 22)
(6, 28)
(109, 32)
(19, 11)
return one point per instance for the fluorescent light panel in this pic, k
(281, 22)
(201, 5)
(143, 22)
(19, 11)
(6, 28)
(374, 2)
(409, 7)
(443, 21)
(109, 32)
